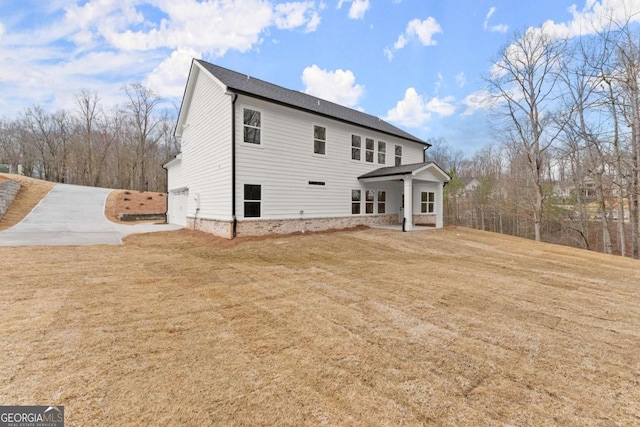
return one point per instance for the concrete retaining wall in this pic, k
(8, 192)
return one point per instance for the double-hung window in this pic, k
(369, 201)
(319, 140)
(356, 146)
(355, 201)
(252, 200)
(382, 202)
(252, 126)
(370, 147)
(382, 152)
(398, 155)
(427, 202)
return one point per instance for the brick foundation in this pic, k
(261, 227)
(424, 219)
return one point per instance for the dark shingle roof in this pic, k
(246, 85)
(394, 170)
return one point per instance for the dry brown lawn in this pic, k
(368, 327)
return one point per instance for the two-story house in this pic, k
(257, 158)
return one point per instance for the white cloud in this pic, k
(337, 86)
(358, 8)
(475, 101)
(169, 77)
(106, 43)
(499, 28)
(595, 16)
(415, 111)
(423, 31)
(209, 27)
(438, 83)
(297, 14)
(461, 79)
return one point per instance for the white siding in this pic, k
(176, 177)
(206, 149)
(285, 162)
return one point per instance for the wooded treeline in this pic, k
(121, 147)
(565, 166)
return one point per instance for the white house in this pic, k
(258, 158)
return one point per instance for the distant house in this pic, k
(470, 185)
(258, 158)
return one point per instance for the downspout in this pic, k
(166, 199)
(234, 225)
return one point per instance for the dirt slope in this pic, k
(31, 192)
(370, 327)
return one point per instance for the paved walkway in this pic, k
(73, 215)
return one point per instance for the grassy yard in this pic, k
(368, 327)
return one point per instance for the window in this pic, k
(398, 155)
(427, 202)
(355, 202)
(369, 149)
(382, 202)
(252, 199)
(356, 146)
(319, 140)
(382, 150)
(252, 125)
(369, 201)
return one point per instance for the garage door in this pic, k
(178, 201)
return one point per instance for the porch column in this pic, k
(408, 203)
(440, 206)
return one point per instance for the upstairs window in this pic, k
(252, 200)
(370, 147)
(382, 152)
(252, 126)
(355, 201)
(356, 147)
(398, 155)
(427, 202)
(319, 140)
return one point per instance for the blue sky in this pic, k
(416, 63)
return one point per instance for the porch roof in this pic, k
(398, 172)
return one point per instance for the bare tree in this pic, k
(524, 80)
(141, 105)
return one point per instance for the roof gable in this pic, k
(257, 88)
(411, 169)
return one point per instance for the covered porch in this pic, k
(420, 185)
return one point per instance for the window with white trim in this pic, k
(356, 196)
(319, 140)
(252, 126)
(252, 200)
(369, 201)
(382, 202)
(369, 149)
(382, 152)
(356, 147)
(427, 202)
(398, 153)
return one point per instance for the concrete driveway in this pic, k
(73, 215)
